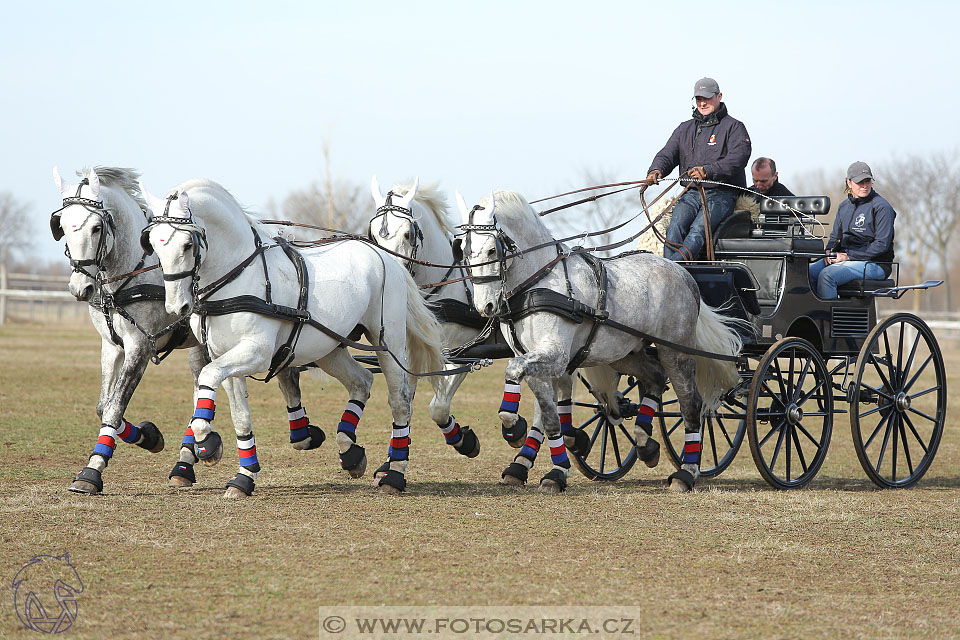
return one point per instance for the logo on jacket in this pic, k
(45, 593)
(713, 139)
(860, 221)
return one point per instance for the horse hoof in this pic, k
(215, 458)
(470, 445)
(550, 486)
(234, 492)
(152, 439)
(360, 469)
(159, 446)
(676, 486)
(516, 434)
(511, 481)
(650, 453)
(82, 486)
(179, 482)
(681, 481)
(389, 490)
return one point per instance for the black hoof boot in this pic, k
(243, 484)
(315, 437)
(210, 449)
(469, 446)
(354, 461)
(88, 481)
(152, 439)
(581, 442)
(516, 434)
(390, 481)
(650, 453)
(554, 482)
(681, 481)
(514, 475)
(182, 476)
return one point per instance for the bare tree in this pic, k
(594, 216)
(329, 202)
(14, 226)
(925, 191)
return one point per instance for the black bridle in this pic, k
(94, 208)
(505, 249)
(188, 225)
(416, 235)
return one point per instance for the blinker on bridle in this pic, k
(187, 225)
(94, 207)
(402, 212)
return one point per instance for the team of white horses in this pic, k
(256, 305)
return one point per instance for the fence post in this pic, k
(3, 287)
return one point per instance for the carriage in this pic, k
(806, 361)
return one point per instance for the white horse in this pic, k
(101, 221)
(316, 298)
(413, 221)
(642, 292)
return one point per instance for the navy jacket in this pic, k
(719, 143)
(864, 229)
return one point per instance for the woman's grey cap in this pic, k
(859, 171)
(706, 88)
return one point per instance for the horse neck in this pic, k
(229, 238)
(128, 221)
(523, 267)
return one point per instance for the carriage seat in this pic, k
(862, 288)
(773, 245)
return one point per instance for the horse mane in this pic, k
(204, 183)
(513, 208)
(120, 178)
(430, 196)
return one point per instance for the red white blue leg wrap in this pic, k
(511, 397)
(350, 418)
(451, 432)
(691, 448)
(247, 451)
(558, 452)
(206, 401)
(400, 443)
(298, 423)
(531, 446)
(565, 413)
(648, 407)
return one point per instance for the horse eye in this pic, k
(490, 252)
(406, 235)
(187, 246)
(96, 229)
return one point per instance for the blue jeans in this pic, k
(825, 279)
(686, 225)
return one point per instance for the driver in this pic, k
(714, 145)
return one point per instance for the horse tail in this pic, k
(424, 334)
(716, 334)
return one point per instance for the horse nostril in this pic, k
(85, 292)
(185, 309)
(488, 309)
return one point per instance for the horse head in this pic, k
(88, 227)
(178, 240)
(483, 245)
(394, 225)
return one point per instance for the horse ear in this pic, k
(184, 201)
(150, 199)
(464, 212)
(378, 198)
(408, 199)
(94, 183)
(57, 180)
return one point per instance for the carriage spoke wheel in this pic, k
(898, 401)
(790, 413)
(613, 449)
(721, 434)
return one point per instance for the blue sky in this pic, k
(522, 95)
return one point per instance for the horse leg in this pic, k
(303, 435)
(244, 482)
(682, 371)
(463, 439)
(517, 472)
(145, 435)
(653, 380)
(357, 381)
(555, 481)
(513, 426)
(390, 477)
(183, 475)
(575, 439)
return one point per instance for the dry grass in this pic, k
(733, 560)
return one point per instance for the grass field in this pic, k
(735, 559)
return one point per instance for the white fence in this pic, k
(37, 298)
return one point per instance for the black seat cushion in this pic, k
(782, 245)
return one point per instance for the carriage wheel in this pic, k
(613, 449)
(898, 401)
(721, 434)
(790, 413)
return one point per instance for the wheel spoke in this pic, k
(924, 392)
(790, 387)
(803, 375)
(603, 446)
(900, 361)
(627, 434)
(776, 449)
(773, 395)
(675, 426)
(883, 378)
(895, 423)
(767, 437)
(713, 442)
(883, 447)
(803, 430)
(913, 352)
(874, 410)
(796, 443)
(592, 419)
(878, 391)
(726, 435)
(616, 447)
(906, 447)
(907, 386)
(916, 435)
(595, 406)
(789, 435)
(812, 391)
(889, 358)
(922, 414)
(596, 431)
(783, 390)
(880, 424)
